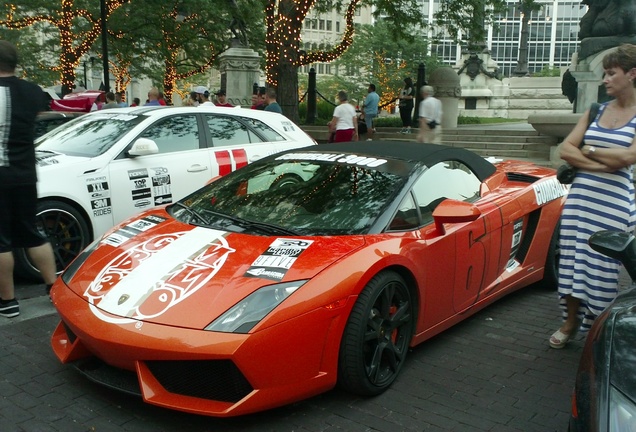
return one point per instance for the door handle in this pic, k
(255, 158)
(197, 168)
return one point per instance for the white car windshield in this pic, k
(89, 135)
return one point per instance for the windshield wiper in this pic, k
(262, 226)
(269, 228)
(190, 211)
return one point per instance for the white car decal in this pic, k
(548, 190)
(146, 280)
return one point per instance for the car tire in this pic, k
(551, 272)
(67, 232)
(377, 336)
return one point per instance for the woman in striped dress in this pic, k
(601, 198)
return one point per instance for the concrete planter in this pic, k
(557, 125)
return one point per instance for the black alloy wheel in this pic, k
(376, 339)
(67, 232)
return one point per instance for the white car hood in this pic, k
(47, 159)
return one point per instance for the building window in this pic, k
(321, 25)
(328, 25)
(337, 26)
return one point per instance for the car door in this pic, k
(466, 250)
(237, 141)
(181, 166)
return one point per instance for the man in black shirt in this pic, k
(20, 101)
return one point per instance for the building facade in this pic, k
(553, 35)
(552, 40)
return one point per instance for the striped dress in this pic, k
(596, 201)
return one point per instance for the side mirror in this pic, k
(143, 147)
(453, 211)
(618, 245)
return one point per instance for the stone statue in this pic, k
(237, 26)
(608, 18)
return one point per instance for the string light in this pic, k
(283, 36)
(72, 46)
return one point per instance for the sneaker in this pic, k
(369, 139)
(9, 309)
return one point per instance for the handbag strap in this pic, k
(590, 118)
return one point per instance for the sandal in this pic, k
(559, 339)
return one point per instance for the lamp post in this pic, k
(102, 6)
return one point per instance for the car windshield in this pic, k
(295, 196)
(89, 135)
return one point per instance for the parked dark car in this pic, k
(604, 397)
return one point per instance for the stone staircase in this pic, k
(505, 141)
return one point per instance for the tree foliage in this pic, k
(166, 41)
(284, 22)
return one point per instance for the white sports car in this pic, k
(104, 167)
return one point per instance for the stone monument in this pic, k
(448, 90)
(240, 69)
(606, 24)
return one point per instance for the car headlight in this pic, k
(622, 412)
(244, 315)
(72, 268)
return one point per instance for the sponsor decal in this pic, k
(130, 230)
(163, 199)
(517, 233)
(141, 194)
(548, 190)
(161, 186)
(138, 173)
(279, 257)
(99, 191)
(143, 203)
(42, 161)
(288, 126)
(146, 280)
(335, 157)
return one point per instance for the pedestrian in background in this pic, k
(271, 103)
(601, 197)
(258, 100)
(161, 99)
(370, 110)
(110, 101)
(136, 102)
(221, 100)
(344, 123)
(405, 104)
(119, 98)
(19, 106)
(203, 96)
(192, 100)
(153, 97)
(430, 112)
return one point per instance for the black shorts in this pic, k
(17, 218)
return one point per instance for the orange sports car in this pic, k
(307, 269)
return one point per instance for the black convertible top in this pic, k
(429, 154)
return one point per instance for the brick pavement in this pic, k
(493, 372)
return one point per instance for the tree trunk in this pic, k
(287, 91)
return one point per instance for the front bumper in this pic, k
(203, 372)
